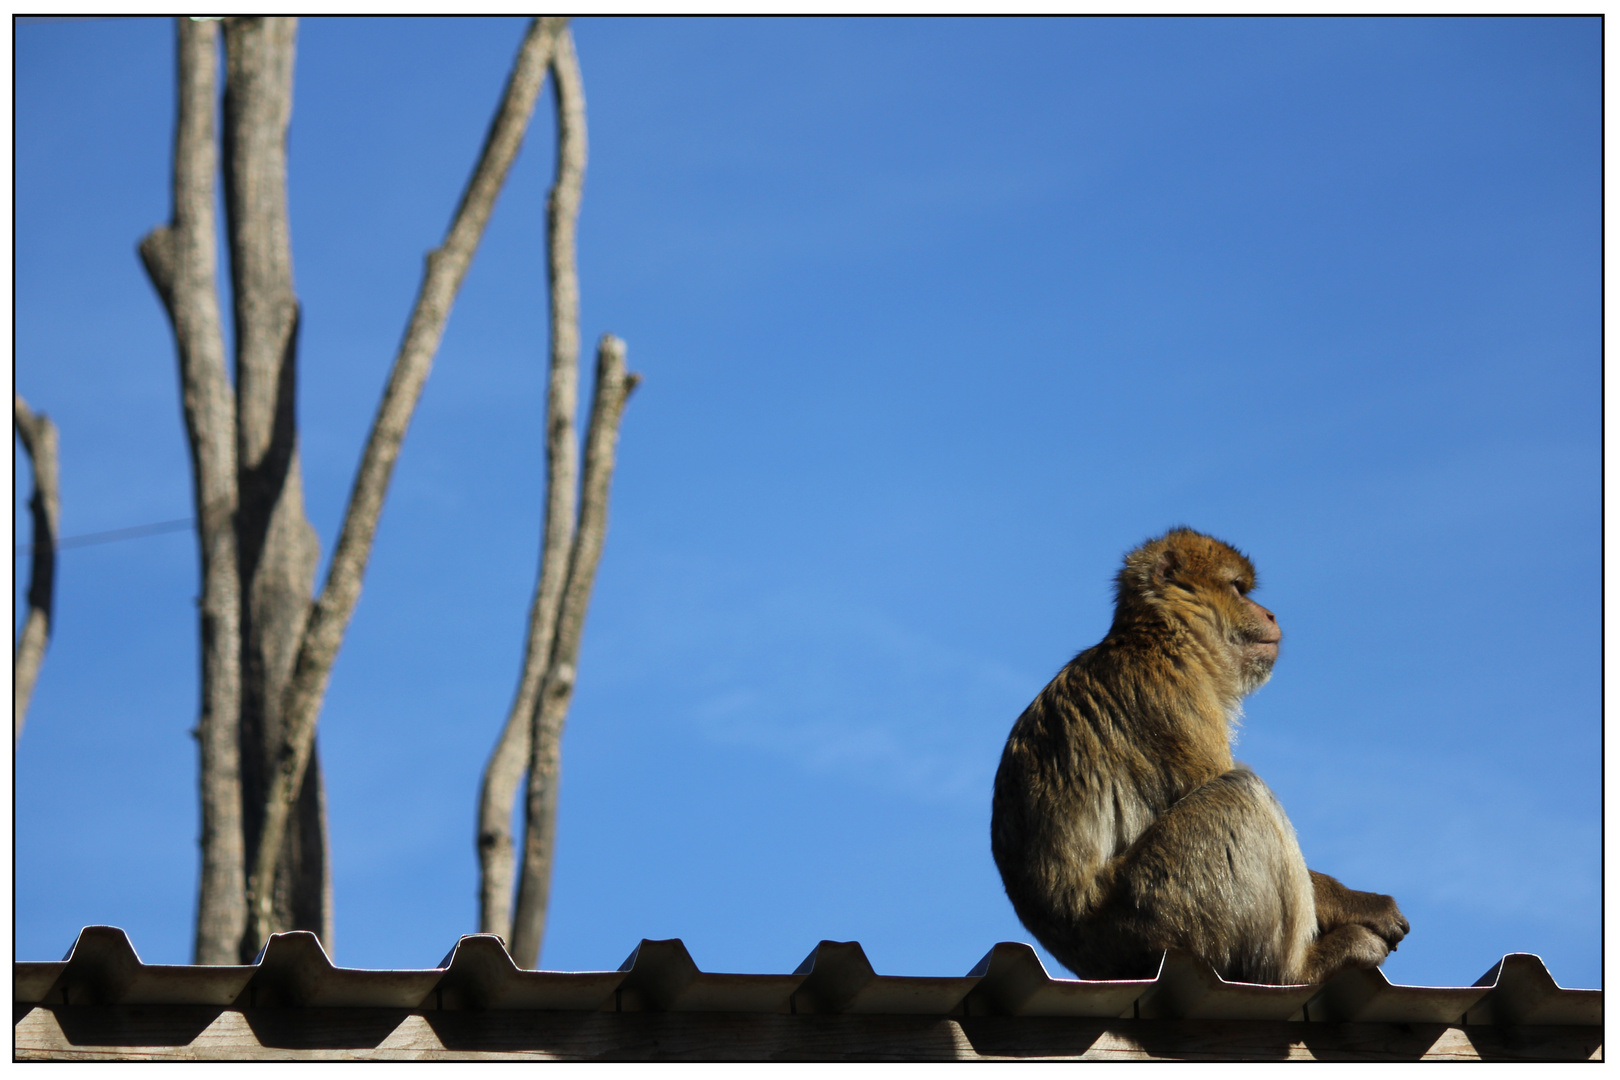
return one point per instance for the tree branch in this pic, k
(323, 634)
(180, 260)
(511, 756)
(613, 388)
(39, 439)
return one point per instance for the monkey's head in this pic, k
(1187, 581)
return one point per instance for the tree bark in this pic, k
(496, 854)
(277, 550)
(180, 260)
(38, 436)
(613, 387)
(323, 632)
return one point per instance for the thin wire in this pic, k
(112, 535)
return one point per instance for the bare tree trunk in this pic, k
(613, 388)
(39, 439)
(496, 853)
(323, 633)
(179, 258)
(277, 549)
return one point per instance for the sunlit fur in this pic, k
(1121, 824)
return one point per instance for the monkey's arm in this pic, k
(1338, 906)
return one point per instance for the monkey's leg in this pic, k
(1219, 874)
(1350, 945)
(1337, 906)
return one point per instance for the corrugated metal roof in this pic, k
(660, 976)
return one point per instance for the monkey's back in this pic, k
(1082, 776)
(1068, 797)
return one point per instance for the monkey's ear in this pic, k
(1165, 566)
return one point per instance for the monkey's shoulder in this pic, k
(1080, 702)
(1069, 730)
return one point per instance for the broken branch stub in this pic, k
(614, 385)
(38, 436)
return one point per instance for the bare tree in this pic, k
(38, 436)
(511, 757)
(268, 649)
(246, 477)
(530, 741)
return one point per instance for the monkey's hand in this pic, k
(1338, 906)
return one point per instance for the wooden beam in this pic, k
(205, 1032)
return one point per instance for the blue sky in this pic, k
(937, 319)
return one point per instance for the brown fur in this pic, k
(1121, 824)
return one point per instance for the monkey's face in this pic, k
(1203, 585)
(1257, 641)
(1248, 632)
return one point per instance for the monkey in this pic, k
(1120, 823)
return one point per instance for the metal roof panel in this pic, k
(660, 976)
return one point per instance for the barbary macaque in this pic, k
(1120, 823)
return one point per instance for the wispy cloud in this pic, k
(838, 687)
